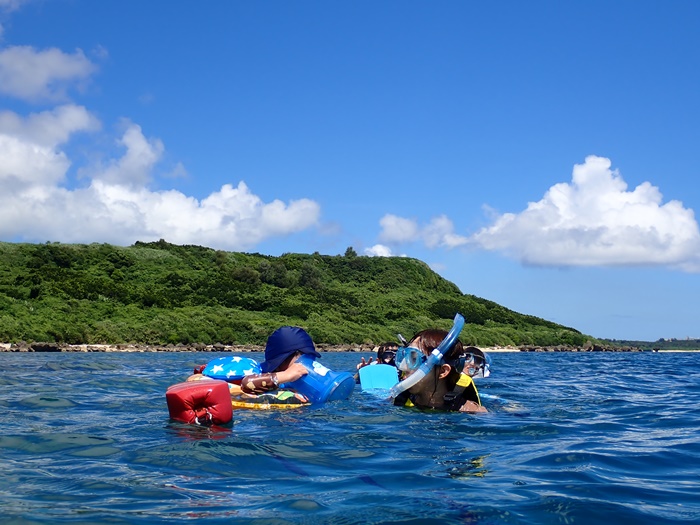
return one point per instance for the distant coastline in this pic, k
(97, 348)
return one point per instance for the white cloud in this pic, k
(11, 5)
(595, 221)
(28, 155)
(114, 203)
(381, 250)
(48, 128)
(378, 250)
(177, 172)
(25, 165)
(116, 206)
(8, 6)
(135, 166)
(592, 221)
(232, 218)
(34, 76)
(397, 229)
(439, 232)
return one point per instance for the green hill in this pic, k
(687, 344)
(157, 293)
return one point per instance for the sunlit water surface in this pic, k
(570, 438)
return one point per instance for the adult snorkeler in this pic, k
(442, 371)
(386, 352)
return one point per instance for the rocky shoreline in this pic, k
(198, 347)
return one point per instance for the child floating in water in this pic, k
(290, 374)
(290, 366)
(284, 347)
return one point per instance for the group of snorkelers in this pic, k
(432, 370)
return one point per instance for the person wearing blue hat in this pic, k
(283, 348)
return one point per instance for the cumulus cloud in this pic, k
(439, 232)
(48, 128)
(378, 250)
(135, 166)
(116, 205)
(28, 147)
(11, 5)
(7, 6)
(397, 229)
(595, 221)
(42, 75)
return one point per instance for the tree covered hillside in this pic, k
(159, 293)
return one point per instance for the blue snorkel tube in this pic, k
(433, 359)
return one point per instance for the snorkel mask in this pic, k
(486, 370)
(472, 362)
(387, 357)
(409, 358)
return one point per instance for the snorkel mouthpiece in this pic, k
(433, 359)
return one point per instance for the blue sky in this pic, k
(542, 155)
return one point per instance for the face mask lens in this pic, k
(472, 365)
(388, 357)
(409, 358)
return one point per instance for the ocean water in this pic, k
(571, 438)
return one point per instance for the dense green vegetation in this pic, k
(661, 344)
(160, 293)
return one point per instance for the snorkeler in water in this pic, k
(449, 384)
(386, 352)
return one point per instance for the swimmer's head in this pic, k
(386, 353)
(283, 344)
(471, 361)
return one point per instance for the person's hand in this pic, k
(293, 372)
(364, 363)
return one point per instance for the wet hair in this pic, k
(430, 339)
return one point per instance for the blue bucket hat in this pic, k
(284, 342)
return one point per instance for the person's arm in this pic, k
(261, 383)
(361, 364)
(469, 391)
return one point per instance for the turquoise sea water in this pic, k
(570, 438)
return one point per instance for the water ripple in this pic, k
(570, 438)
